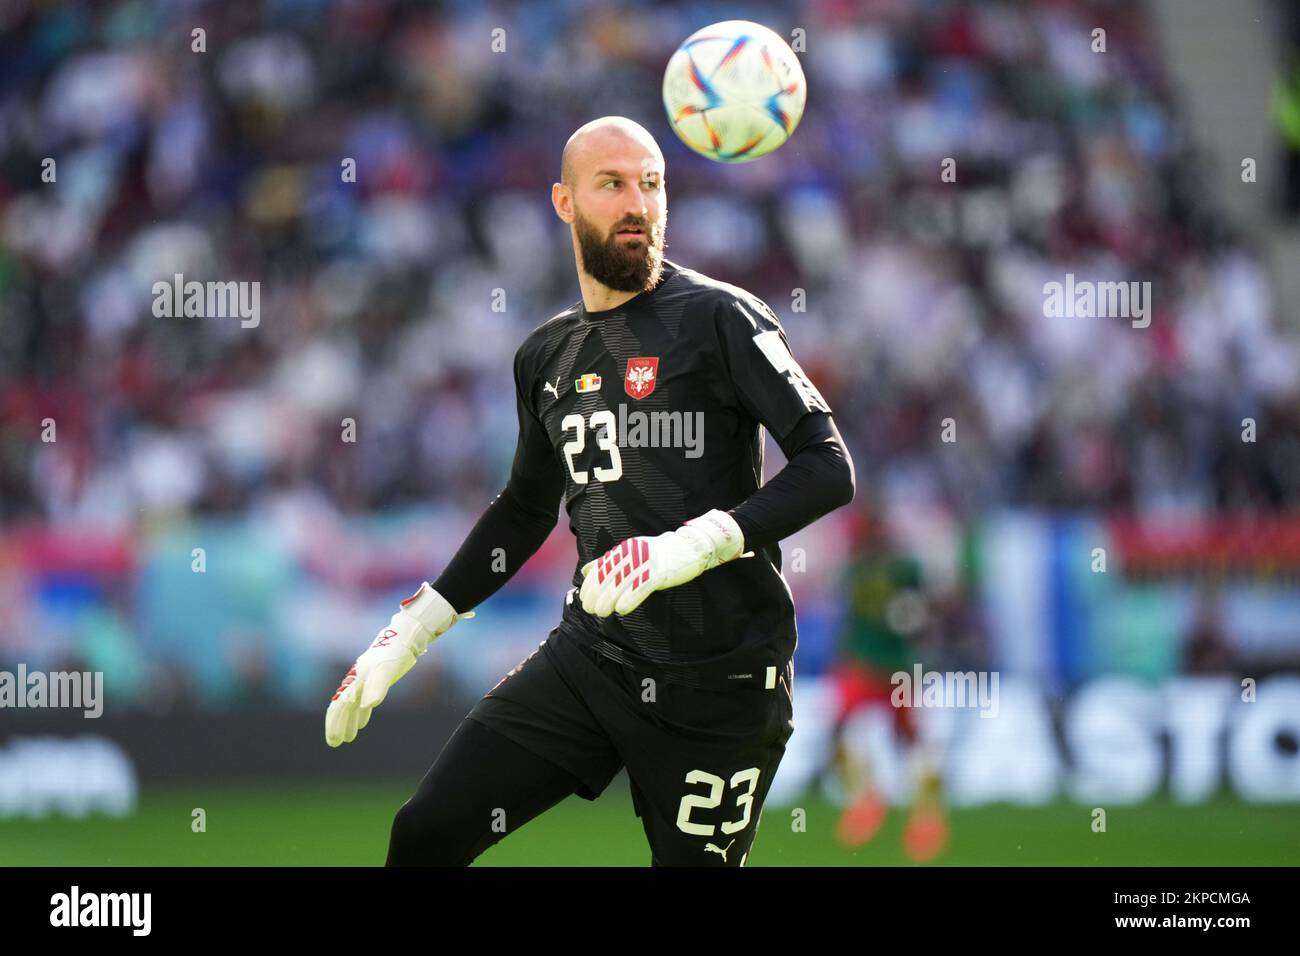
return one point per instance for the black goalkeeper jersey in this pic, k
(652, 413)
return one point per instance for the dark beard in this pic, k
(613, 263)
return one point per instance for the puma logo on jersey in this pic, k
(552, 388)
(710, 848)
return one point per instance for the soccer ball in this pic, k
(734, 91)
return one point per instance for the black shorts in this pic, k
(700, 761)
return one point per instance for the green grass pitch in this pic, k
(348, 825)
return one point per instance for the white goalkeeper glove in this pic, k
(628, 573)
(421, 619)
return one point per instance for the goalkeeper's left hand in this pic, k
(628, 573)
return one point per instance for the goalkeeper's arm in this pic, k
(817, 478)
(511, 529)
(518, 521)
(514, 526)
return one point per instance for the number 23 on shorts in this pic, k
(744, 801)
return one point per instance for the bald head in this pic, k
(594, 140)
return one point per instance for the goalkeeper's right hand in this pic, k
(422, 618)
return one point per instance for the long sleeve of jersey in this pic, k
(817, 478)
(515, 524)
(771, 386)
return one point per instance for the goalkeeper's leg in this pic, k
(482, 787)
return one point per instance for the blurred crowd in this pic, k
(397, 300)
(383, 171)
